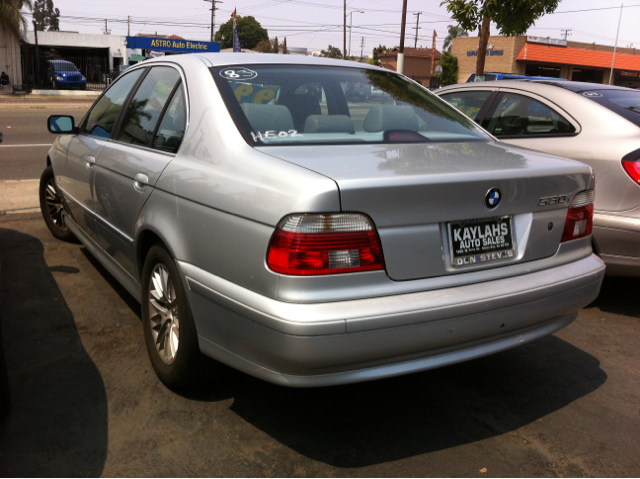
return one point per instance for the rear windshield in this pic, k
(625, 103)
(64, 67)
(291, 104)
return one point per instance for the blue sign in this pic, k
(172, 45)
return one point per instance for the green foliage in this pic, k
(46, 15)
(331, 52)
(449, 65)
(376, 54)
(11, 18)
(453, 32)
(513, 17)
(250, 33)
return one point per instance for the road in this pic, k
(26, 138)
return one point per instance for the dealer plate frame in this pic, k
(489, 258)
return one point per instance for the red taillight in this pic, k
(324, 244)
(579, 222)
(633, 169)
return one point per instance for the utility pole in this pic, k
(566, 32)
(416, 28)
(613, 62)
(106, 27)
(344, 31)
(362, 49)
(128, 26)
(400, 63)
(351, 27)
(213, 14)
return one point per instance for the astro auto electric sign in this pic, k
(172, 45)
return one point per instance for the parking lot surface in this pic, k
(87, 403)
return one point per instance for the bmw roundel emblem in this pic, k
(494, 195)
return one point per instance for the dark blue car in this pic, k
(64, 74)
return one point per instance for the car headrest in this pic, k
(301, 106)
(268, 117)
(391, 117)
(329, 124)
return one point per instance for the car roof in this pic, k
(234, 58)
(534, 86)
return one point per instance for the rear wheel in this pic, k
(169, 328)
(52, 206)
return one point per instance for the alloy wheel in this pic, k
(55, 207)
(163, 314)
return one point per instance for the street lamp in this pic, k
(350, 27)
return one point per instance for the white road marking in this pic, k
(25, 146)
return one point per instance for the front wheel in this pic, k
(169, 328)
(52, 207)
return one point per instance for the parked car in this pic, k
(492, 76)
(64, 74)
(596, 124)
(309, 240)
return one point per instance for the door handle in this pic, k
(91, 161)
(140, 180)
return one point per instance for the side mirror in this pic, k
(61, 124)
(1, 137)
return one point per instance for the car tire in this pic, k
(169, 328)
(52, 207)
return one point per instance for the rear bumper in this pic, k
(618, 241)
(350, 341)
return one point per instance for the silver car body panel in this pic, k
(602, 139)
(215, 205)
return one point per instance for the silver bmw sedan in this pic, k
(269, 220)
(596, 124)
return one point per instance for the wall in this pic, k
(505, 63)
(117, 45)
(10, 55)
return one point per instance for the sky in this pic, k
(315, 24)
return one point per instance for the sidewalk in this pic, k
(7, 97)
(19, 197)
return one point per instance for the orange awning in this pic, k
(578, 56)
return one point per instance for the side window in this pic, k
(173, 124)
(468, 102)
(105, 112)
(518, 115)
(145, 108)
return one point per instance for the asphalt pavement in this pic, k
(85, 400)
(23, 153)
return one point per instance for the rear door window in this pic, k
(145, 108)
(468, 102)
(106, 111)
(522, 116)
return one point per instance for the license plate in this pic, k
(481, 241)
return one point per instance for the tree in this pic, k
(331, 52)
(271, 46)
(449, 65)
(454, 32)
(11, 17)
(46, 15)
(250, 33)
(512, 17)
(376, 55)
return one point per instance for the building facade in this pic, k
(10, 56)
(417, 63)
(539, 56)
